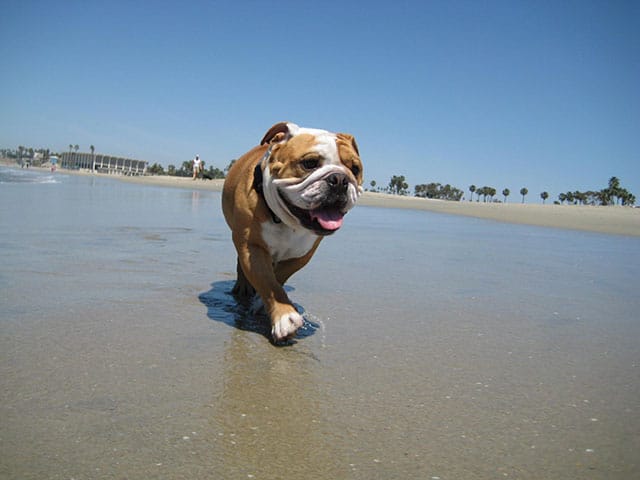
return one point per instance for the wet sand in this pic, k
(435, 346)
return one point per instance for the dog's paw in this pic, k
(286, 326)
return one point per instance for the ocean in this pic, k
(434, 346)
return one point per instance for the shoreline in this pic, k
(616, 220)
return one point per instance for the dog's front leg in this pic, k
(257, 265)
(286, 268)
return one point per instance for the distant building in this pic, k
(103, 163)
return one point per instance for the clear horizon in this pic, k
(503, 94)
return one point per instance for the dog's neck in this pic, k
(259, 187)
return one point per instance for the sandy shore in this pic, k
(611, 220)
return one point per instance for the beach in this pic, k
(613, 220)
(616, 220)
(435, 346)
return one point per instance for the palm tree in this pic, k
(506, 193)
(544, 196)
(373, 185)
(472, 188)
(523, 192)
(630, 199)
(93, 157)
(70, 152)
(614, 192)
(398, 185)
(20, 149)
(76, 147)
(570, 198)
(187, 168)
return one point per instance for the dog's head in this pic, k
(311, 178)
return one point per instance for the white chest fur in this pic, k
(285, 243)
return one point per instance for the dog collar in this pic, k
(259, 187)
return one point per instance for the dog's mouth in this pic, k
(323, 220)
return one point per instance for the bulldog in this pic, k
(280, 200)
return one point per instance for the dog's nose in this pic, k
(338, 182)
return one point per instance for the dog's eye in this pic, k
(310, 163)
(355, 170)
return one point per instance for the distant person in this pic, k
(197, 166)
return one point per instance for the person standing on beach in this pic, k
(197, 166)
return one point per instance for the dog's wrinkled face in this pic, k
(312, 178)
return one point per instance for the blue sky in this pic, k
(509, 94)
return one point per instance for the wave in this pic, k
(14, 175)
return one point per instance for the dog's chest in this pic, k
(285, 243)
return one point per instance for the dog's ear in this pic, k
(276, 134)
(349, 139)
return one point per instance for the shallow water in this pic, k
(434, 346)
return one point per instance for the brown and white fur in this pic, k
(280, 200)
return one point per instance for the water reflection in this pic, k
(195, 201)
(270, 413)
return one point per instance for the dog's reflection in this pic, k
(270, 414)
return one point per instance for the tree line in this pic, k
(613, 194)
(35, 156)
(186, 170)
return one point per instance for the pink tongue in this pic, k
(328, 219)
